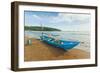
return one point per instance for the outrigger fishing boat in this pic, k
(63, 44)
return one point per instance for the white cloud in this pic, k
(37, 17)
(72, 22)
(70, 18)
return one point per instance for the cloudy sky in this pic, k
(60, 20)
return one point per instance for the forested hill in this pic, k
(37, 28)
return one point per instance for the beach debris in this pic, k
(28, 42)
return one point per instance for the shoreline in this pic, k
(40, 51)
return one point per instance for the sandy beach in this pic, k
(39, 51)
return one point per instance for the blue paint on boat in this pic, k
(63, 44)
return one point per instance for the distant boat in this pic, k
(63, 44)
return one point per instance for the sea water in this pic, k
(82, 36)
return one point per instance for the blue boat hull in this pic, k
(66, 45)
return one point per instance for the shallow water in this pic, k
(82, 37)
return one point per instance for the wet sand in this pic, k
(40, 51)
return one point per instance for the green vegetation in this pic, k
(37, 28)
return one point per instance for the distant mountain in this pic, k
(37, 28)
